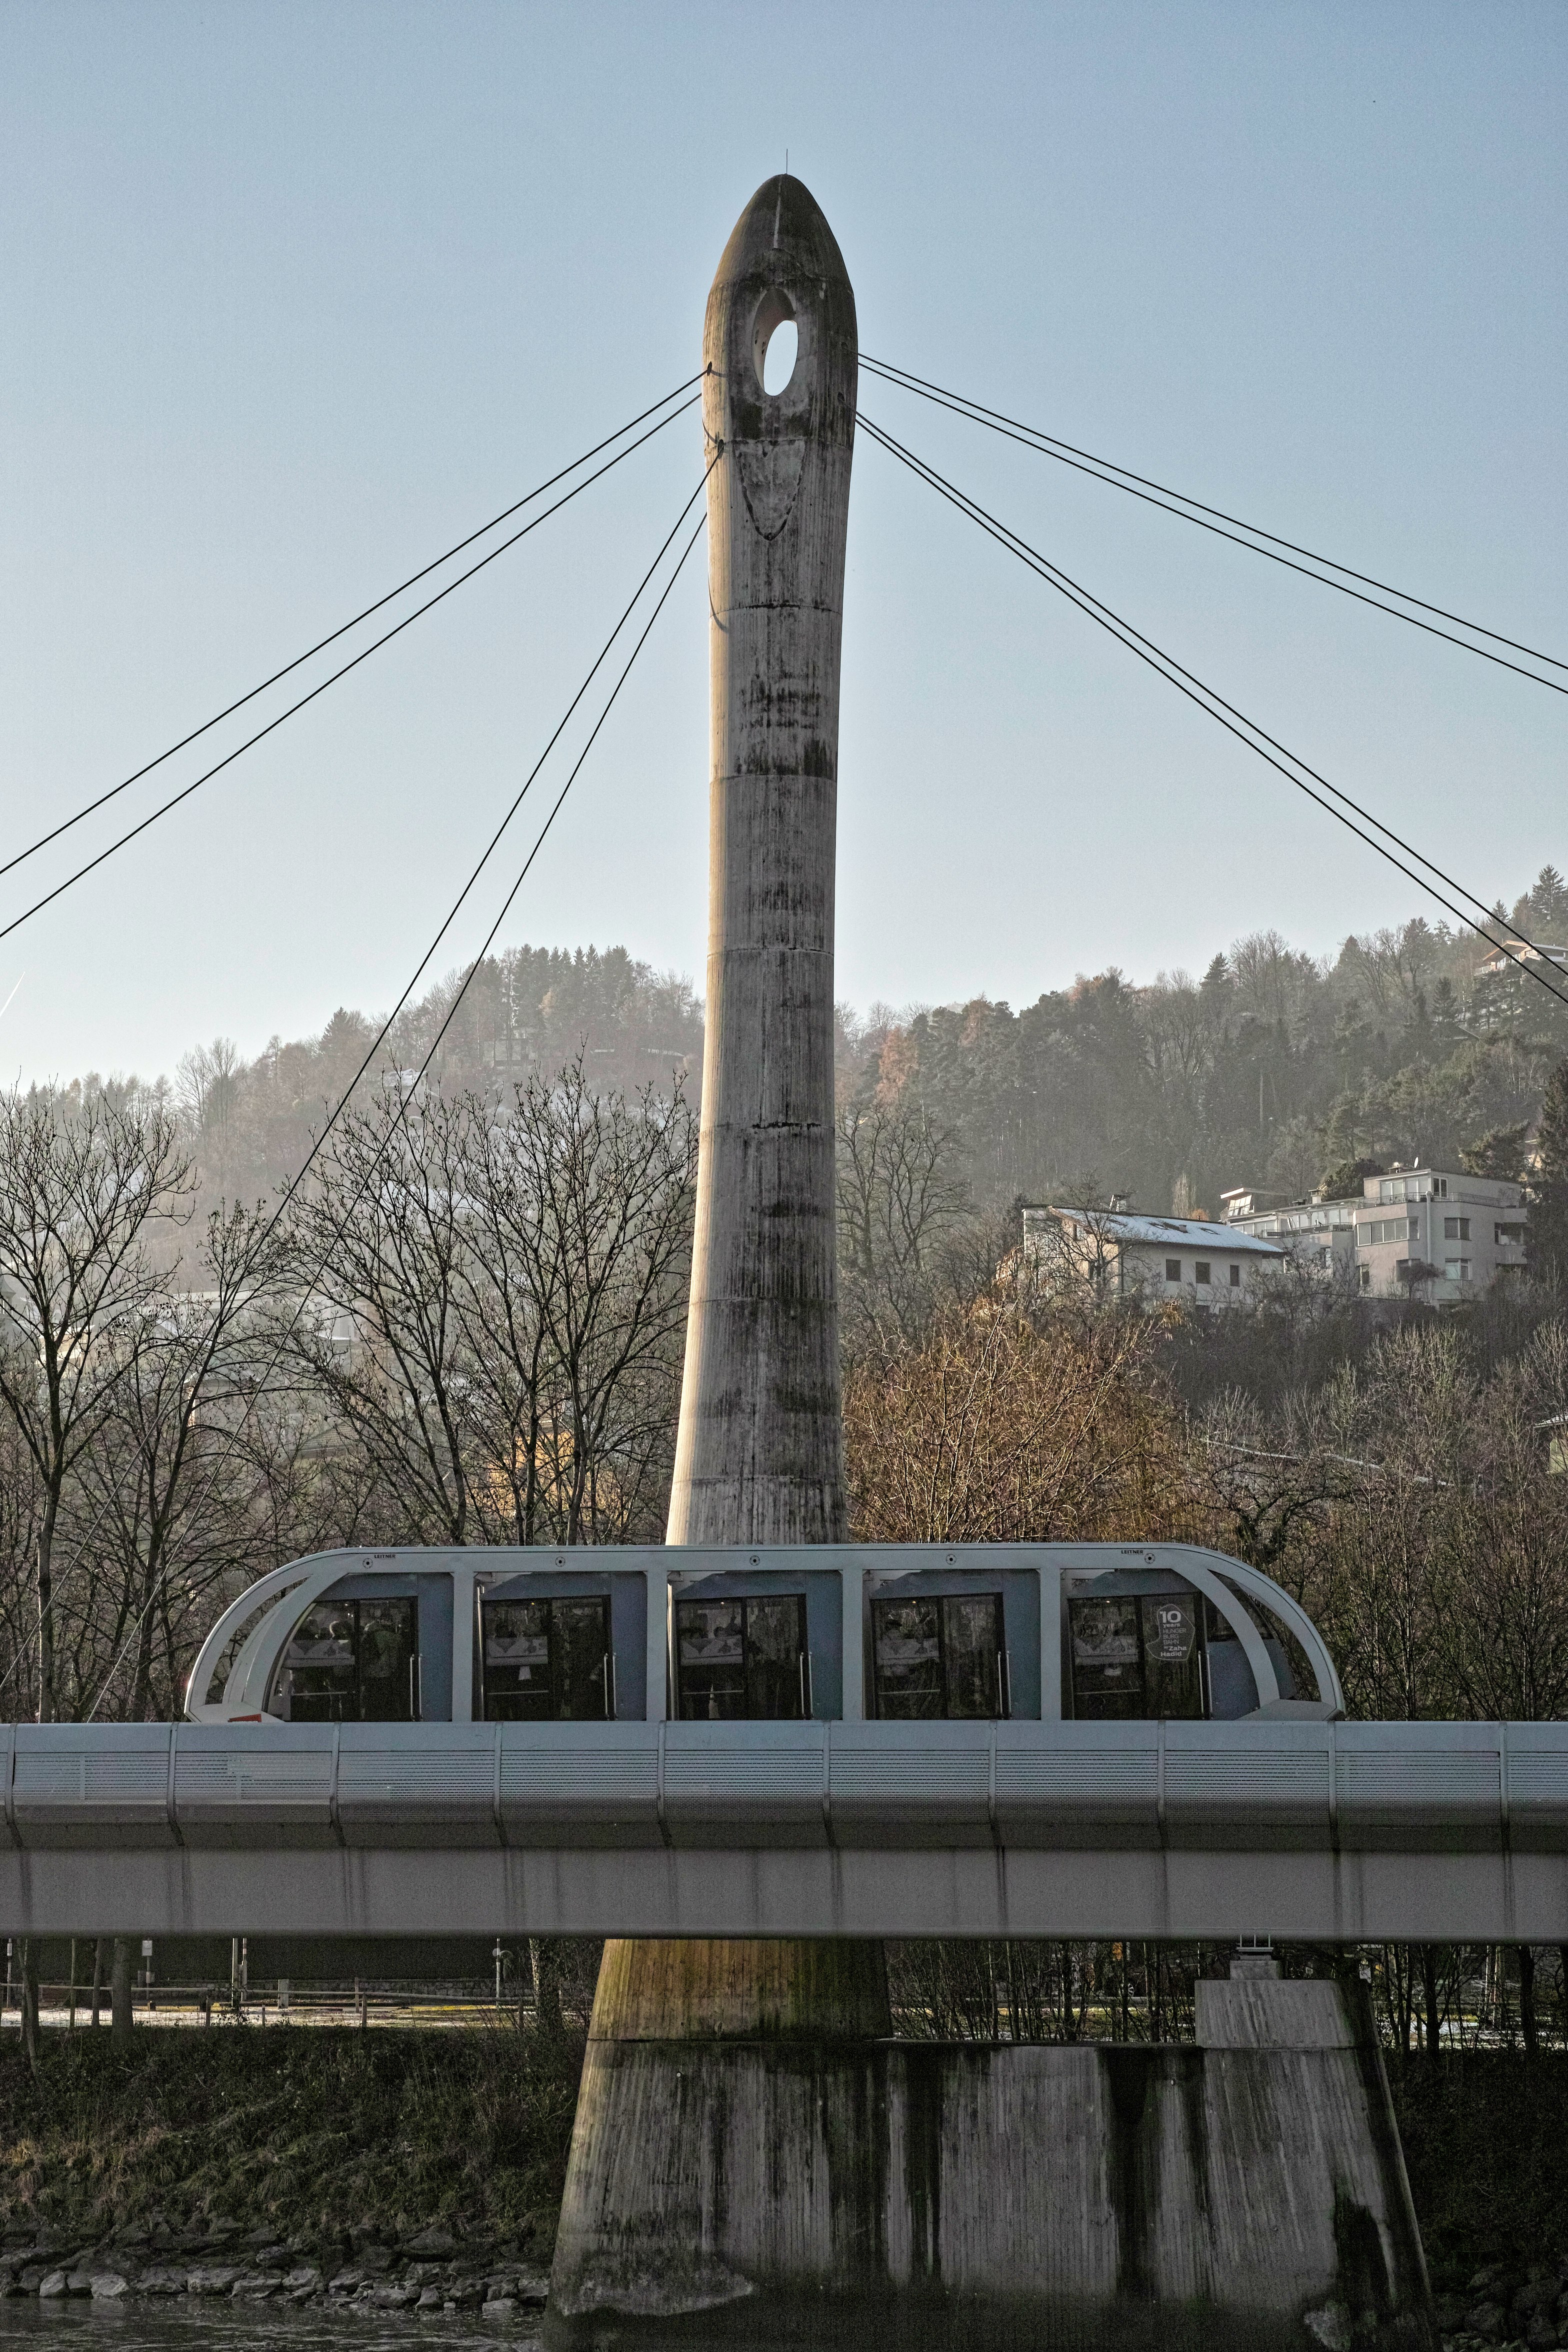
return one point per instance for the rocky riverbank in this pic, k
(431, 2270)
(1503, 2305)
(390, 2172)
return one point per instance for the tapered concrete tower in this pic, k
(760, 1457)
(696, 2040)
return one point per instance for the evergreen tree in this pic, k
(1546, 1241)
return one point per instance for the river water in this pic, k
(178, 2325)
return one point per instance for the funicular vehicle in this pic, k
(899, 1633)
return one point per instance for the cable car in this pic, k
(890, 1633)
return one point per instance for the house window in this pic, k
(1456, 1228)
(1202, 1273)
(1457, 1269)
(1366, 1277)
(1501, 1234)
(1235, 1277)
(1440, 1189)
(1173, 1269)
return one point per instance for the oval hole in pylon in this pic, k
(778, 359)
(775, 342)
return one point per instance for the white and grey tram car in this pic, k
(919, 1632)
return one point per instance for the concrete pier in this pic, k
(1247, 2195)
(754, 2160)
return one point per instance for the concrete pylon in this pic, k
(760, 1452)
(760, 1456)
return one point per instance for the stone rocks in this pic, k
(216, 2278)
(418, 2271)
(1504, 2307)
(434, 2241)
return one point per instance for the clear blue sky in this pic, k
(294, 294)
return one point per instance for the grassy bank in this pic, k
(307, 2131)
(1486, 2144)
(317, 2131)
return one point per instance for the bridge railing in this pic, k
(1256, 1786)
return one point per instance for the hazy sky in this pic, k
(294, 295)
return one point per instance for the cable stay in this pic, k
(259, 1387)
(175, 799)
(1193, 511)
(1235, 722)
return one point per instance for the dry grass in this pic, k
(307, 2129)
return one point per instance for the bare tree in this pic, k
(903, 1201)
(380, 1242)
(83, 1190)
(579, 1232)
(167, 1490)
(1006, 1428)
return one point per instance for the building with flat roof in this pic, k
(1202, 1260)
(1428, 1233)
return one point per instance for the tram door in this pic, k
(1136, 1656)
(352, 1661)
(547, 1661)
(742, 1660)
(940, 1657)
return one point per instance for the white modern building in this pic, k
(1199, 1259)
(1430, 1233)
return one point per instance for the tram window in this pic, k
(742, 1660)
(1231, 1688)
(1136, 1658)
(1107, 1659)
(352, 1661)
(939, 1657)
(546, 1661)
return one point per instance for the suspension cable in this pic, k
(1237, 724)
(374, 646)
(402, 1115)
(1102, 469)
(332, 638)
(384, 1031)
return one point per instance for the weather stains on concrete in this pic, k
(1072, 2198)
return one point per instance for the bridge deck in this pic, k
(1449, 1832)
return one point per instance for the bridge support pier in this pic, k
(1247, 2195)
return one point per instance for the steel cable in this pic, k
(374, 646)
(384, 1031)
(332, 638)
(1237, 724)
(1102, 469)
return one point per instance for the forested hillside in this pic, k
(526, 1012)
(1270, 1068)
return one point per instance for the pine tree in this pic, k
(1546, 1241)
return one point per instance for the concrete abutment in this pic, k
(1082, 2196)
